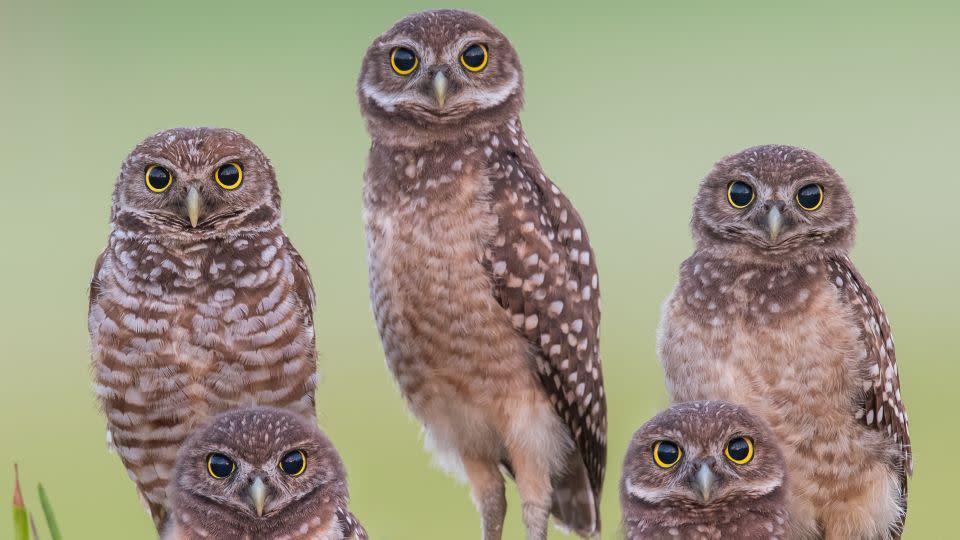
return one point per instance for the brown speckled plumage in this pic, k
(745, 501)
(187, 321)
(784, 323)
(483, 282)
(311, 505)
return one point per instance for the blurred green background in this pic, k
(629, 104)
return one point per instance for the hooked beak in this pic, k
(774, 223)
(193, 206)
(704, 481)
(440, 88)
(258, 495)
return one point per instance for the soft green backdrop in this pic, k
(628, 106)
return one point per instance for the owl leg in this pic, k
(871, 509)
(533, 481)
(487, 489)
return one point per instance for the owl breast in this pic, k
(458, 360)
(781, 343)
(180, 332)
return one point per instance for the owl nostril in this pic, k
(709, 461)
(439, 68)
(779, 205)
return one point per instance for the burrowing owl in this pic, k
(483, 281)
(704, 470)
(771, 313)
(199, 302)
(260, 473)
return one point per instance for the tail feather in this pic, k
(575, 505)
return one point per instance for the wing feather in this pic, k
(882, 407)
(545, 276)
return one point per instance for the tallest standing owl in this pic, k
(482, 279)
(199, 303)
(771, 313)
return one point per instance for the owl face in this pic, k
(774, 200)
(196, 182)
(437, 69)
(255, 463)
(702, 453)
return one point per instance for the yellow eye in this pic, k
(220, 466)
(158, 178)
(475, 57)
(740, 194)
(666, 454)
(810, 197)
(739, 450)
(229, 176)
(403, 61)
(293, 463)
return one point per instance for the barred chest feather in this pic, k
(217, 321)
(457, 358)
(428, 219)
(180, 331)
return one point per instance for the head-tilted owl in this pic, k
(259, 472)
(199, 303)
(704, 469)
(482, 278)
(771, 313)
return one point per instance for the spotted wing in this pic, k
(95, 287)
(303, 284)
(545, 276)
(352, 529)
(882, 407)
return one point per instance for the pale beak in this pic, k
(774, 223)
(705, 480)
(193, 206)
(440, 88)
(258, 494)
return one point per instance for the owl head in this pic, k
(700, 455)
(257, 469)
(437, 75)
(196, 183)
(771, 202)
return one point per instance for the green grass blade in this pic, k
(48, 514)
(21, 527)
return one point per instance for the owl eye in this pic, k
(220, 466)
(293, 463)
(229, 176)
(403, 61)
(739, 450)
(475, 57)
(810, 197)
(666, 454)
(158, 178)
(740, 194)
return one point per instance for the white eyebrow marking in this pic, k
(643, 494)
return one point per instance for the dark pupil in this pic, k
(404, 59)
(739, 449)
(473, 56)
(741, 194)
(229, 174)
(292, 463)
(809, 196)
(221, 465)
(667, 452)
(159, 178)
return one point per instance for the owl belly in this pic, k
(165, 359)
(461, 365)
(802, 373)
